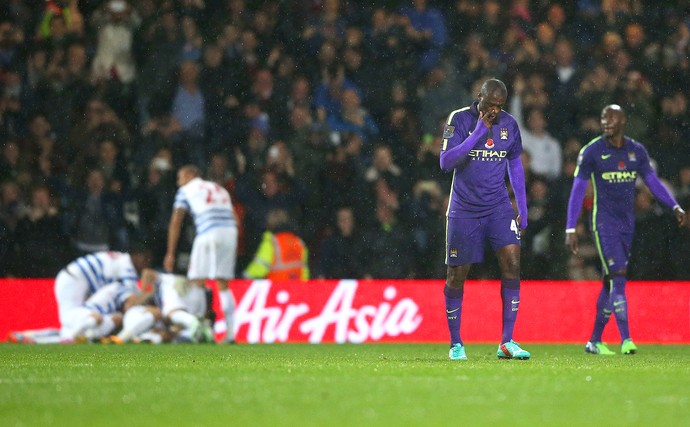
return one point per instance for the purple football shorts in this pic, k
(614, 250)
(466, 238)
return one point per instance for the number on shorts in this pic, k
(515, 229)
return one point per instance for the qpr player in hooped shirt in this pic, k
(214, 251)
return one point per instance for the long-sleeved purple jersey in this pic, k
(479, 158)
(613, 172)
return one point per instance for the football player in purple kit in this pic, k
(613, 162)
(481, 143)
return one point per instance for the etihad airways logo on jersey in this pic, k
(619, 176)
(488, 155)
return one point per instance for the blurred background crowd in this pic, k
(332, 110)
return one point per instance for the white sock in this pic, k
(152, 337)
(227, 305)
(76, 322)
(136, 321)
(188, 322)
(102, 330)
(41, 336)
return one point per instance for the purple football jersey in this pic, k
(479, 179)
(613, 172)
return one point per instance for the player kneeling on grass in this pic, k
(178, 304)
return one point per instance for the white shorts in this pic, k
(195, 301)
(171, 299)
(71, 290)
(213, 254)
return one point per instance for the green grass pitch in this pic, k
(339, 385)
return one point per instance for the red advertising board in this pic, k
(403, 311)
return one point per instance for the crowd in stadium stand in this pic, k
(332, 110)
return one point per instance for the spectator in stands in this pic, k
(651, 254)
(353, 118)
(11, 39)
(474, 62)
(12, 206)
(427, 209)
(341, 253)
(60, 18)
(192, 40)
(441, 93)
(98, 121)
(41, 248)
(383, 166)
(544, 149)
(426, 27)
(225, 88)
(563, 81)
(154, 196)
(96, 217)
(12, 166)
(388, 250)
(269, 193)
(188, 109)
(338, 178)
(328, 25)
(111, 163)
(115, 24)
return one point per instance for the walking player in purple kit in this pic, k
(613, 162)
(481, 143)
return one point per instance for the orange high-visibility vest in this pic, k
(288, 260)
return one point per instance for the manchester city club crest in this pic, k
(448, 131)
(504, 133)
(631, 156)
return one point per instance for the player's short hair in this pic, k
(613, 107)
(191, 169)
(491, 86)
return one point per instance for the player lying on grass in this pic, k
(99, 315)
(175, 314)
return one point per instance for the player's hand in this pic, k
(571, 242)
(486, 118)
(520, 230)
(169, 262)
(680, 215)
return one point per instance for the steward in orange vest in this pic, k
(281, 255)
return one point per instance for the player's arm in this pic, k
(516, 174)
(263, 259)
(148, 289)
(174, 230)
(148, 279)
(460, 148)
(663, 195)
(657, 188)
(577, 196)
